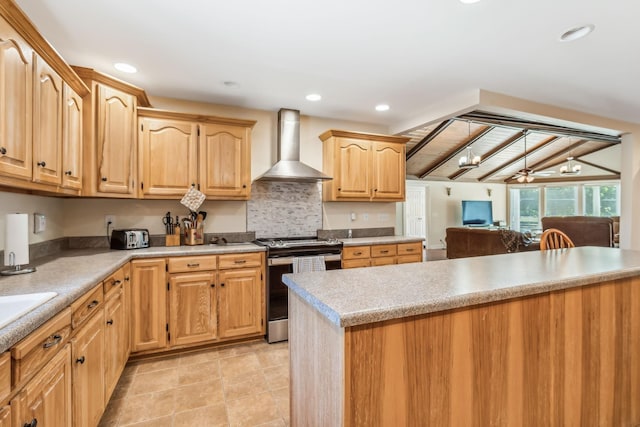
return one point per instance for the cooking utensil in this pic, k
(167, 220)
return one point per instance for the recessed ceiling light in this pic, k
(577, 33)
(230, 83)
(382, 107)
(313, 97)
(469, 1)
(125, 68)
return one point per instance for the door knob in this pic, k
(42, 164)
(3, 150)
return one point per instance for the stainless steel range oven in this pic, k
(280, 260)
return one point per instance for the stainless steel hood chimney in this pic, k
(289, 167)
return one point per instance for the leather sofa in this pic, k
(583, 230)
(465, 242)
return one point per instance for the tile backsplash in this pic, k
(285, 209)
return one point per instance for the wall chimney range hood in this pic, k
(289, 167)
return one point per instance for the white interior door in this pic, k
(415, 220)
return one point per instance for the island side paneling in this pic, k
(569, 357)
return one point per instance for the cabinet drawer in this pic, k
(386, 260)
(85, 306)
(406, 259)
(113, 283)
(192, 263)
(40, 346)
(409, 248)
(253, 259)
(355, 263)
(383, 251)
(5, 376)
(356, 252)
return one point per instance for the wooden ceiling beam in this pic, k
(424, 141)
(574, 178)
(508, 143)
(593, 165)
(459, 149)
(564, 159)
(534, 150)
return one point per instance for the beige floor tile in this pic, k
(153, 365)
(245, 385)
(195, 373)
(198, 395)
(283, 406)
(277, 376)
(198, 357)
(239, 365)
(273, 357)
(275, 423)
(144, 407)
(122, 388)
(154, 381)
(156, 422)
(252, 410)
(281, 393)
(210, 416)
(130, 369)
(112, 412)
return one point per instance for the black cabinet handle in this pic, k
(375, 189)
(110, 322)
(126, 278)
(116, 283)
(42, 164)
(80, 360)
(33, 423)
(384, 252)
(222, 284)
(104, 178)
(213, 285)
(93, 304)
(68, 173)
(193, 265)
(55, 340)
(357, 253)
(240, 261)
(339, 188)
(244, 185)
(3, 150)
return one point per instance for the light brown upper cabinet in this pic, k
(47, 129)
(71, 139)
(364, 167)
(110, 143)
(178, 150)
(16, 69)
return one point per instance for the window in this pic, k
(525, 208)
(561, 201)
(601, 200)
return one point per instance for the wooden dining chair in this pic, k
(553, 238)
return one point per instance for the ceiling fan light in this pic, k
(529, 178)
(520, 179)
(476, 160)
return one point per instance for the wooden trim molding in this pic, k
(91, 74)
(363, 135)
(165, 114)
(28, 31)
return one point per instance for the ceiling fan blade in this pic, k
(544, 173)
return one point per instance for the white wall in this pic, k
(337, 215)
(446, 210)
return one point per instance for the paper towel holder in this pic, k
(17, 269)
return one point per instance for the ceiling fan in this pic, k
(527, 174)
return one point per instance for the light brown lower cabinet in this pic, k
(5, 416)
(240, 302)
(381, 254)
(148, 305)
(192, 308)
(116, 341)
(87, 354)
(46, 399)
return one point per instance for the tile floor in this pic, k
(241, 385)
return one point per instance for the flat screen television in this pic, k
(477, 212)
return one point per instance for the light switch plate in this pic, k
(39, 223)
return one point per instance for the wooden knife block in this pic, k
(172, 240)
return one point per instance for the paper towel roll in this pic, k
(16, 239)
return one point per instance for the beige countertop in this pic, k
(74, 272)
(385, 240)
(365, 295)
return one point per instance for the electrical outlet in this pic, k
(109, 221)
(365, 217)
(39, 223)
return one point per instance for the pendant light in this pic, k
(570, 168)
(469, 160)
(525, 174)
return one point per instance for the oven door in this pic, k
(278, 294)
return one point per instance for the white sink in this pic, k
(14, 306)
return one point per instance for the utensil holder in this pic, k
(194, 236)
(172, 240)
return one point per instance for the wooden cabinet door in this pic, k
(47, 397)
(71, 139)
(16, 65)
(224, 165)
(115, 141)
(239, 302)
(87, 355)
(192, 308)
(5, 416)
(148, 305)
(126, 291)
(352, 169)
(116, 342)
(47, 129)
(388, 171)
(167, 153)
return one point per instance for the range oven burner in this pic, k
(280, 259)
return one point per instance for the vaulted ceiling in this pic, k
(434, 150)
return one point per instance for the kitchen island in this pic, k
(535, 338)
